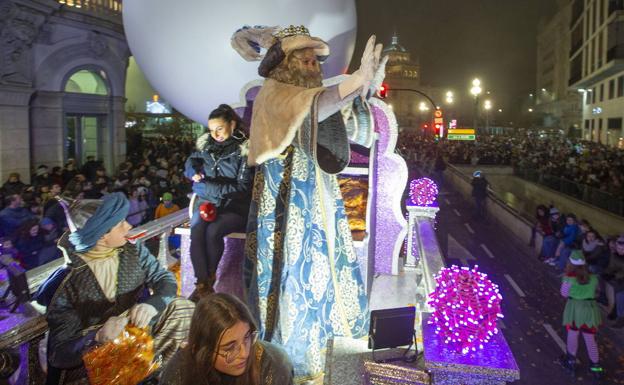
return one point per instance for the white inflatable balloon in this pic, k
(183, 46)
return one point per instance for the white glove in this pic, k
(370, 63)
(364, 75)
(111, 329)
(380, 75)
(141, 314)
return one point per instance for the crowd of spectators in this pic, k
(581, 162)
(562, 234)
(32, 220)
(494, 149)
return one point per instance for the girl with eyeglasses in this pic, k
(223, 349)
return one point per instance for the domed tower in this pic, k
(402, 72)
(401, 69)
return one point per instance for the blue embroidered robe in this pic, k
(302, 274)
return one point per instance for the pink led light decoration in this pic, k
(467, 305)
(423, 192)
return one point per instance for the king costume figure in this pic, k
(302, 274)
(104, 286)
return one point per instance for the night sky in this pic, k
(457, 40)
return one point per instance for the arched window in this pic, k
(87, 82)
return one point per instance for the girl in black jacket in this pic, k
(220, 176)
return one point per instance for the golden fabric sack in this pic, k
(176, 270)
(355, 195)
(125, 361)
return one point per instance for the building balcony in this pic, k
(576, 39)
(614, 65)
(614, 59)
(616, 52)
(615, 5)
(98, 6)
(574, 79)
(109, 10)
(575, 47)
(577, 11)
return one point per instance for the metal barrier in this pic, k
(423, 252)
(582, 192)
(497, 209)
(162, 228)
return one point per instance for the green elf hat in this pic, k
(577, 258)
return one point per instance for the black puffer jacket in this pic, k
(227, 178)
(479, 187)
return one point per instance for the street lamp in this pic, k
(423, 107)
(449, 97)
(427, 97)
(475, 91)
(488, 106)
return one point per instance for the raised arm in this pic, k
(363, 82)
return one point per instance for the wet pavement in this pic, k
(531, 304)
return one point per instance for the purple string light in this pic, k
(423, 192)
(467, 305)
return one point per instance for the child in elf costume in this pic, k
(581, 314)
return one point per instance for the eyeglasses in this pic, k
(232, 353)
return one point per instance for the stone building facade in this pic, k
(559, 105)
(62, 83)
(596, 57)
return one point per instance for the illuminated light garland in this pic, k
(467, 306)
(423, 192)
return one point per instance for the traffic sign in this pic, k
(460, 137)
(464, 131)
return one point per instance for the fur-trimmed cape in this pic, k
(273, 129)
(202, 141)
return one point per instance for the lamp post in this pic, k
(423, 105)
(487, 105)
(449, 97)
(423, 108)
(475, 91)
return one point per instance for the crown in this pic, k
(291, 30)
